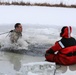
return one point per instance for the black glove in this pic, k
(50, 51)
(11, 31)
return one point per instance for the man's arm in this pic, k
(53, 49)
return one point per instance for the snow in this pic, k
(39, 68)
(37, 15)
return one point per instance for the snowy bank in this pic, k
(37, 15)
(67, 2)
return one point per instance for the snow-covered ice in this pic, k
(37, 15)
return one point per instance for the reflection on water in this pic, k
(11, 63)
(72, 67)
(15, 60)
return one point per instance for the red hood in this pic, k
(67, 32)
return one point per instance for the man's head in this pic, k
(18, 27)
(66, 32)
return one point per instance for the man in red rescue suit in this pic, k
(65, 48)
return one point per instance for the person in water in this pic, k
(65, 48)
(16, 33)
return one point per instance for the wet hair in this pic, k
(17, 24)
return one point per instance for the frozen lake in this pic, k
(41, 28)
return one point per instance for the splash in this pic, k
(5, 43)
